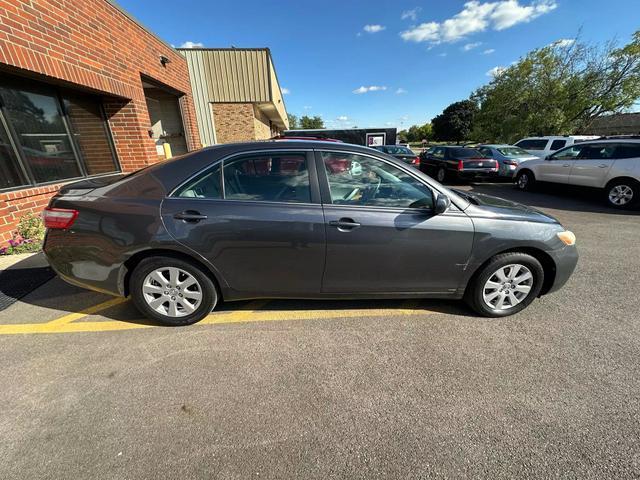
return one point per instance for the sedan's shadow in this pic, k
(62, 298)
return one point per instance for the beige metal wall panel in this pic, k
(233, 76)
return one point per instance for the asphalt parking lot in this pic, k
(291, 389)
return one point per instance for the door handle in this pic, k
(190, 216)
(604, 165)
(566, 165)
(344, 224)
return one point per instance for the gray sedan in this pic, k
(299, 219)
(508, 157)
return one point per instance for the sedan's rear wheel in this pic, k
(622, 193)
(506, 285)
(172, 291)
(441, 175)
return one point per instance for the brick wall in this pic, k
(234, 122)
(91, 45)
(261, 125)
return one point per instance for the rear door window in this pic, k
(558, 144)
(272, 177)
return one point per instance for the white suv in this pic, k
(543, 146)
(611, 165)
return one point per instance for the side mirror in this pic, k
(442, 203)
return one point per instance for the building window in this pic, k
(48, 136)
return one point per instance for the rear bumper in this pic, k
(565, 260)
(477, 173)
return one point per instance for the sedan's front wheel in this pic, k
(506, 285)
(171, 291)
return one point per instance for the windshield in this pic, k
(466, 153)
(399, 151)
(513, 152)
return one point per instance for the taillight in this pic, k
(460, 165)
(415, 161)
(510, 162)
(59, 217)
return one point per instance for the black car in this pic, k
(449, 162)
(298, 219)
(401, 153)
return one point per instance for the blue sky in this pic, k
(418, 56)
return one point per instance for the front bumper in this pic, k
(565, 260)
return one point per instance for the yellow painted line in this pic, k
(250, 313)
(86, 312)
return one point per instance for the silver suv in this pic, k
(611, 165)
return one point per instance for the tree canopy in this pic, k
(455, 122)
(307, 122)
(293, 121)
(557, 90)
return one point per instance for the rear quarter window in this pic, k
(558, 144)
(532, 144)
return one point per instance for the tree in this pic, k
(307, 123)
(403, 136)
(417, 133)
(293, 121)
(558, 90)
(455, 122)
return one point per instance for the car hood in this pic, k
(500, 208)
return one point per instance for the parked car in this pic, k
(543, 146)
(508, 157)
(227, 223)
(400, 152)
(610, 165)
(445, 162)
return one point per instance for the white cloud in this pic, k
(342, 118)
(509, 12)
(425, 32)
(400, 91)
(371, 88)
(389, 124)
(410, 14)
(307, 107)
(471, 46)
(373, 28)
(477, 17)
(404, 118)
(285, 91)
(564, 42)
(443, 54)
(488, 51)
(496, 71)
(190, 44)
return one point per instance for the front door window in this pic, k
(365, 181)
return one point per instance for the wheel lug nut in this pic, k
(166, 293)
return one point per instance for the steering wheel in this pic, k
(353, 194)
(371, 191)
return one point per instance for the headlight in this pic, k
(567, 237)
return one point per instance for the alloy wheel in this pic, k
(172, 292)
(621, 195)
(507, 287)
(523, 181)
(440, 175)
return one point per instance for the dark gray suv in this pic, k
(299, 219)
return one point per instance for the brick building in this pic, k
(236, 93)
(84, 91)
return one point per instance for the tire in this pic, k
(441, 175)
(479, 294)
(622, 193)
(194, 290)
(525, 180)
